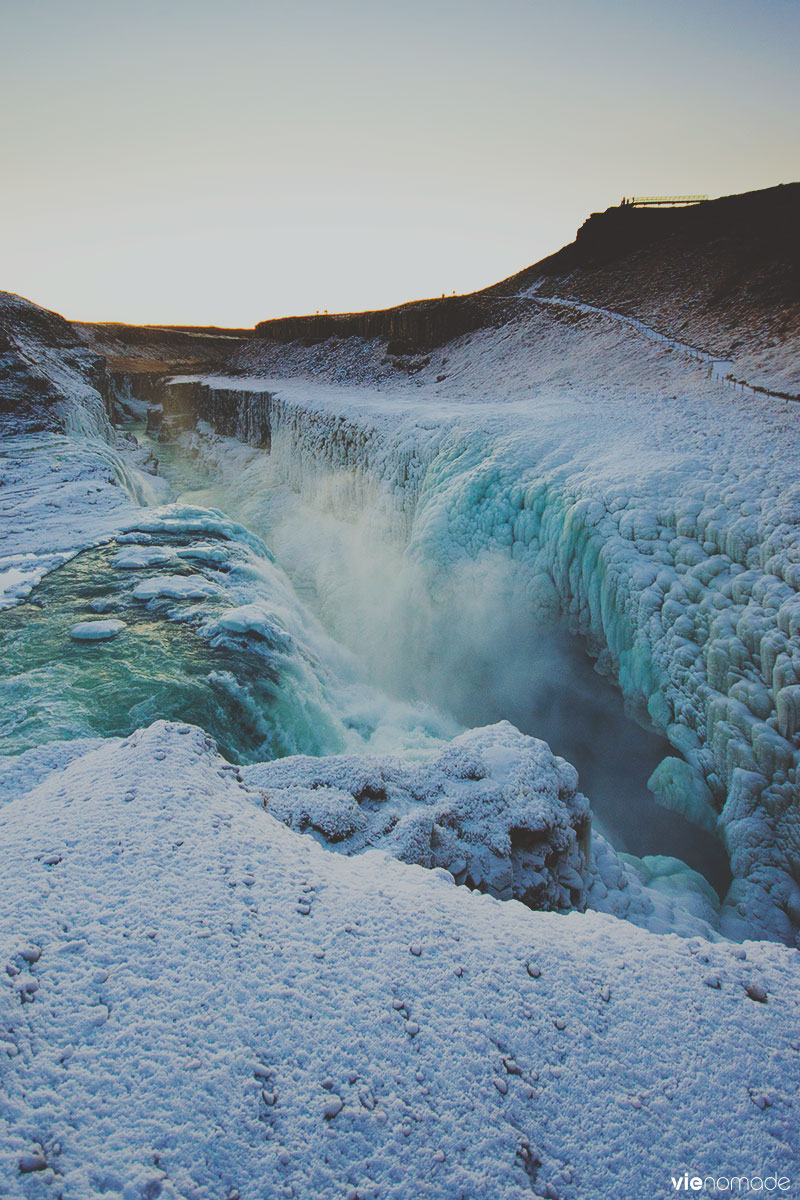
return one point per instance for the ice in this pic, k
(65, 496)
(136, 558)
(175, 587)
(96, 631)
(676, 786)
(552, 464)
(247, 619)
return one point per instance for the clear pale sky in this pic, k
(197, 161)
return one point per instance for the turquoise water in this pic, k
(251, 697)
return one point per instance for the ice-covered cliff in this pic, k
(559, 463)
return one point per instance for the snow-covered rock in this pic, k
(49, 380)
(96, 631)
(196, 1001)
(496, 809)
(175, 587)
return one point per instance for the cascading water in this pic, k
(206, 627)
(478, 649)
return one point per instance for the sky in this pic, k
(209, 162)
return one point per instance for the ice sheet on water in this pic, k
(96, 631)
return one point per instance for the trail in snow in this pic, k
(720, 368)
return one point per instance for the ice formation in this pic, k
(644, 507)
(96, 631)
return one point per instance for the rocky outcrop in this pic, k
(46, 371)
(496, 809)
(765, 219)
(178, 406)
(164, 348)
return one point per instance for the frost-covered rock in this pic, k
(49, 380)
(497, 809)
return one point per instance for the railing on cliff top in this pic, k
(653, 201)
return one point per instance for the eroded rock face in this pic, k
(408, 328)
(497, 809)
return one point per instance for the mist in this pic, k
(475, 637)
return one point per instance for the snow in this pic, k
(176, 587)
(719, 368)
(96, 631)
(250, 619)
(20, 773)
(62, 493)
(229, 982)
(198, 1001)
(497, 811)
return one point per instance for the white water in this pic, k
(472, 643)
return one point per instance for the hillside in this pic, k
(723, 276)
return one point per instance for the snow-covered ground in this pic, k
(199, 1002)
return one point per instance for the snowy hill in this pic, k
(722, 276)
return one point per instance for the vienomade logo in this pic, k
(731, 1185)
